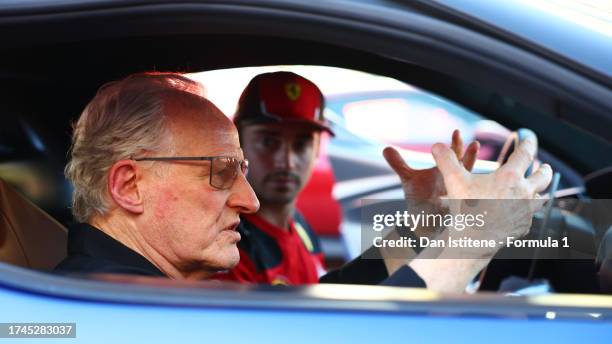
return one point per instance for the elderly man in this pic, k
(159, 182)
(160, 186)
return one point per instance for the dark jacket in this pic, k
(92, 251)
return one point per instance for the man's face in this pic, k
(189, 222)
(281, 158)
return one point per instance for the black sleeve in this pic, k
(373, 272)
(405, 277)
(358, 271)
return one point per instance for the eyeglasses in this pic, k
(223, 169)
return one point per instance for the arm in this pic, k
(373, 271)
(380, 267)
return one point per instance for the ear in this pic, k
(123, 179)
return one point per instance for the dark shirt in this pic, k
(92, 251)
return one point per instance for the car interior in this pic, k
(46, 84)
(29, 237)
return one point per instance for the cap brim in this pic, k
(315, 125)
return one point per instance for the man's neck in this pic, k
(278, 215)
(126, 233)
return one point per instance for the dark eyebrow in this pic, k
(306, 136)
(267, 132)
(278, 132)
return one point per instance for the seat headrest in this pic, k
(29, 237)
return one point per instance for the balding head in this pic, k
(125, 118)
(189, 115)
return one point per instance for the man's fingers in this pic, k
(471, 153)
(522, 156)
(397, 163)
(540, 179)
(457, 144)
(538, 202)
(447, 162)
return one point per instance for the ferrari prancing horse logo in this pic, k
(293, 91)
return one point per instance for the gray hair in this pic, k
(125, 118)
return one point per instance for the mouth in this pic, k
(232, 230)
(283, 178)
(232, 227)
(282, 184)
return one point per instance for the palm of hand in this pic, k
(425, 184)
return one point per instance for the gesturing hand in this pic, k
(428, 184)
(507, 182)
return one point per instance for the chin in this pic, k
(233, 261)
(228, 259)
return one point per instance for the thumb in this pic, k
(397, 163)
(447, 163)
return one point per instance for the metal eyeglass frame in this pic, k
(243, 164)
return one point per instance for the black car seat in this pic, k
(29, 237)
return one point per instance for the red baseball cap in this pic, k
(281, 97)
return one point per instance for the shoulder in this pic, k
(260, 248)
(90, 250)
(306, 233)
(80, 264)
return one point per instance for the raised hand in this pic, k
(428, 184)
(507, 182)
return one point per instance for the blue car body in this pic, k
(158, 312)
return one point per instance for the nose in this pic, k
(242, 196)
(285, 158)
